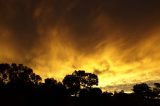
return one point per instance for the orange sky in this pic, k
(117, 40)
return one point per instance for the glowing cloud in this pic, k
(118, 40)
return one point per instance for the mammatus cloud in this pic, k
(118, 40)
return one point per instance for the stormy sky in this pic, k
(116, 39)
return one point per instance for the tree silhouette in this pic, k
(87, 80)
(72, 83)
(79, 80)
(143, 89)
(50, 81)
(52, 87)
(19, 85)
(156, 89)
(18, 74)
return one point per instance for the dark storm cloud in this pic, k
(16, 17)
(133, 18)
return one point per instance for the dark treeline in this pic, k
(20, 86)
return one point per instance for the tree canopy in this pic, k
(18, 74)
(80, 80)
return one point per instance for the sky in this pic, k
(119, 40)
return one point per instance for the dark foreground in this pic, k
(20, 86)
(101, 100)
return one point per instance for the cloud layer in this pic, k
(117, 39)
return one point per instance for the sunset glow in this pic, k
(119, 44)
